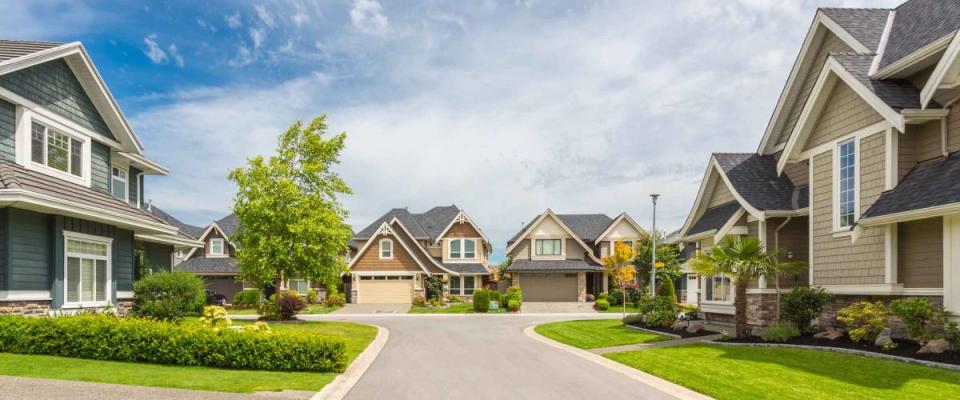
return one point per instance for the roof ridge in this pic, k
(856, 8)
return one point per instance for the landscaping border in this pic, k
(842, 350)
(673, 335)
(656, 382)
(344, 382)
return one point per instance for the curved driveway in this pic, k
(483, 357)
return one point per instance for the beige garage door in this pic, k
(549, 287)
(380, 290)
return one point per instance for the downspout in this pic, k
(776, 247)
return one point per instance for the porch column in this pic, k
(581, 286)
(606, 283)
(951, 262)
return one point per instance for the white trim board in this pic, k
(622, 217)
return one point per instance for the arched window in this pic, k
(386, 249)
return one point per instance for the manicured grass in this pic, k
(780, 373)
(619, 309)
(455, 308)
(356, 337)
(594, 334)
(312, 309)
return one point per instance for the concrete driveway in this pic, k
(557, 307)
(373, 309)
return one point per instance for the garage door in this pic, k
(385, 289)
(549, 287)
(225, 285)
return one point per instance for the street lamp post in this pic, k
(653, 248)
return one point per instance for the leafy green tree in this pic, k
(618, 267)
(743, 260)
(291, 220)
(668, 260)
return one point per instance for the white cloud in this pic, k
(257, 36)
(264, 15)
(300, 18)
(233, 20)
(154, 52)
(206, 25)
(175, 53)
(243, 57)
(367, 16)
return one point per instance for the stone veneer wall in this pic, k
(30, 308)
(829, 315)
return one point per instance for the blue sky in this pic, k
(504, 108)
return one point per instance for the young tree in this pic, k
(668, 260)
(743, 260)
(618, 266)
(291, 221)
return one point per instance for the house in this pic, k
(72, 228)
(557, 257)
(857, 170)
(400, 250)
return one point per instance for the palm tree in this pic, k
(743, 260)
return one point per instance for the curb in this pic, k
(660, 384)
(870, 354)
(342, 384)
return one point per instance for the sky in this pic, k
(504, 108)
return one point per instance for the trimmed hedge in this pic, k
(168, 295)
(104, 337)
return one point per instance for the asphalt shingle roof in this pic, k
(714, 218)
(755, 178)
(897, 93)
(552, 265)
(187, 229)
(931, 183)
(918, 23)
(587, 227)
(404, 216)
(200, 265)
(865, 24)
(466, 268)
(434, 221)
(229, 224)
(10, 49)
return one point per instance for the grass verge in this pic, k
(594, 334)
(312, 309)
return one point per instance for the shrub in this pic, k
(513, 305)
(168, 295)
(258, 326)
(513, 293)
(312, 296)
(248, 298)
(667, 290)
(922, 319)
(481, 300)
(603, 295)
(601, 305)
(290, 304)
(335, 299)
(590, 297)
(864, 320)
(633, 294)
(780, 332)
(615, 297)
(495, 296)
(633, 319)
(662, 317)
(100, 337)
(419, 300)
(214, 317)
(434, 286)
(802, 304)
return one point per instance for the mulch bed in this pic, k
(905, 348)
(682, 333)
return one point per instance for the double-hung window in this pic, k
(548, 247)
(216, 247)
(87, 273)
(118, 182)
(719, 288)
(455, 285)
(463, 249)
(55, 149)
(386, 249)
(847, 182)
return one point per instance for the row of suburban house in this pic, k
(857, 173)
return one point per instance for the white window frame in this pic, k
(563, 248)
(108, 291)
(838, 229)
(126, 182)
(455, 290)
(380, 249)
(25, 136)
(708, 282)
(290, 285)
(463, 249)
(223, 248)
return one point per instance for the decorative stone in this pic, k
(883, 339)
(935, 346)
(695, 326)
(829, 334)
(680, 324)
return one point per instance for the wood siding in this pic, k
(920, 143)
(721, 193)
(31, 241)
(134, 187)
(464, 230)
(844, 113)
(4, 256)
(798, 172)
(953, 130)
(8, 131)
(920, 253)
(100, 167)
(401, 261)
(791, 240)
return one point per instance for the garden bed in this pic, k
(682, 333)
(905, 348)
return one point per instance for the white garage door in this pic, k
(549, 287)
(385, 289)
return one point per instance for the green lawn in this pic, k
(593, 334)
(312, 309)
(454, 308)
(619, 309)
(356, 336)
(779, 373)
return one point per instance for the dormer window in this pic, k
(55, 149)
(118, 183)
(216, 247)
(386, 249)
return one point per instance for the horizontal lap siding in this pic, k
(721, 193)
(4, 236)
(122, 260)
(8, 131)
(134, 187)
(798, 172)
(370, 259)
(30, 250)
(843, 114)
(464, 230)
(100, 167)
(953, 130)
(920, 253)
(920, 143)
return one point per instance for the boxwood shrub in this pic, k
(104, 337)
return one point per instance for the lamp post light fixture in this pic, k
(653, 248)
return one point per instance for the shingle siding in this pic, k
(721, 193)
(8, 131)
(30, 250)
(798, 172)
(4, 256)
(844, 113)
(54, 86)
(953, 130)
(920, 253)
(134, 179)
(100, 167)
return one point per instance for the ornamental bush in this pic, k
(247, 298)
(667, 290)
(335, 299)
(601, 305)
(780, 332)
(924, 321)
(513, 293)
(312, 296)
(104, 337)
(481, 300)
(168, 295)
(802, 304)
(215, 317)
(513, 305)
(615, 297)
(495, 295)
(289, 305)
(864, 320)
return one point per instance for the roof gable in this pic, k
(587, 227)
(917, 24)
(386, 230)
(864, 24)
(622, 227)
(554, 222)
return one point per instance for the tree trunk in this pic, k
(740, 310)
(623, 291)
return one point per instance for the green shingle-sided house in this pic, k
(73, 231)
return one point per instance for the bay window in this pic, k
(55, 149)
(87, 274)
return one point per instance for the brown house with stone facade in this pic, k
(866, 134)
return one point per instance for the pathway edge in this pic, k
(344, 382)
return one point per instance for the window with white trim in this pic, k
(87, 272)
(847, 183)
(386, 249)
(56, 149)
(719, 288)
(302, 286)
(455, 285)
(462, 249)
(216, 247)
(118, 182)
(469, 282)
(549, 247)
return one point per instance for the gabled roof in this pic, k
(436, 220)
(187, 229)
(899, 94)
(552, 265)
(714, 218)
(587, 227)
(929, 186)
(229, 224)
(406, 218)
(10, 49)
(864, 24)
(211, 265)
(755, 178)
(622, 217)
(918, 23)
